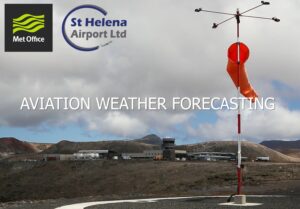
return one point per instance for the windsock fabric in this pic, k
(233, 68)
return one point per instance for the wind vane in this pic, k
(238, 53)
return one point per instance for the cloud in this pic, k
(118, 123)
(257, 125)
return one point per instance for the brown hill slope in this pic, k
(279, 144)
(39, 147)
(290, 152)
(15, 146)
(150, 139)
(249, 149)
(290, 148)
(68, 147)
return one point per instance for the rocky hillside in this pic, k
(9, 145)
(290, 148)
(278, 144)
(68, 147)
(150, 139)
(39, 147)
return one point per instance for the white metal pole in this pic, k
(239, 153)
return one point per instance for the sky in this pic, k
(169, 51)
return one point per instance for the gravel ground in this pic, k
(287, 202)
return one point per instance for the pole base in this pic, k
(240, 199)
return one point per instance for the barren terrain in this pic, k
(70, 179)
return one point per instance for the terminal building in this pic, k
(147, 154)
(167, 152)
(93, 154)
(212, 156)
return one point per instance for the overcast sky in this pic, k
(169, 51)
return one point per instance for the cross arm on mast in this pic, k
(265, 18)
(215, 25)
(238, 15)
(262, 3)
(209, 11)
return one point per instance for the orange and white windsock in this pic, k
(237, 70)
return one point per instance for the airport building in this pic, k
(167, 152)
(93, 154)
(212, 156)
(168, 148)
(147, 154)
(54, 157)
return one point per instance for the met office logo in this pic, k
(28, 28)
(89, 27)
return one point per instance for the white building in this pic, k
(91, 154)
(147, 154)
